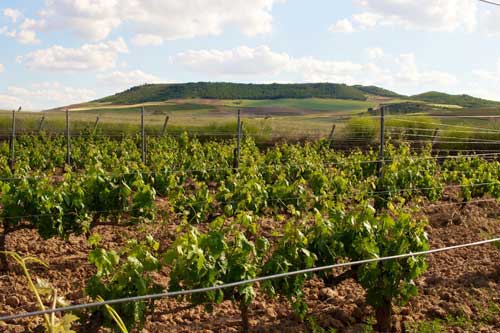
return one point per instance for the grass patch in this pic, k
(314, 104)
(362, 128)
(152, 109)
(433, 326)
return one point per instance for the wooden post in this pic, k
(238, 147)
(68, 140)
(382, 141)
(143, 137)
(330, 137)
(165, 124)
(40, 126)
(434, 137)
(96, 124)
(13, 141)
(241, 133)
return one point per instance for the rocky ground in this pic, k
(460, 292)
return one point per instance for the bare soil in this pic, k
(460, 291)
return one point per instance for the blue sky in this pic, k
(56, 52)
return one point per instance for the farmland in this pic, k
(270, 166)
(186, 218)
(108, 206)
(263, 118)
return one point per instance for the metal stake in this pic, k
(434, 137)
(238, 148)
(12, 141)
(96, 124)
(143, 137)
(41, 124)
(330, 137)
(68, 139)
(164, 130)
(382, 141)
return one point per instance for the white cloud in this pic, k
(242, 60)
(167, 19)
(268, 65)
(2, 68)
(486, 75)
(486, 83)
(142, 40)
(124, 80)
(6, 32)
(90, 19)
(89, 57)
(26, 33)
(410, 73)
(344, 26)
(43, 95)
(262, 61)
(490, 22)
(12, 14)
(314, 70)
(428, 15)
(375, 53)
(367, 20)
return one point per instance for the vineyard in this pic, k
(116, 224)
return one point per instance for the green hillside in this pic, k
(311, 104)
(377, 91)
(461, 100)
(231, 91)
(152, 93)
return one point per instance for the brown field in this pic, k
(459, 293)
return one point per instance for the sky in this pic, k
(59, 52)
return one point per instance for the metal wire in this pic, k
(461, 203)
(284, 163)
(244, 282)
(282, 199)
(490, 2)
(486, 131)
(409, 135)
(447, 125)
(331, 164)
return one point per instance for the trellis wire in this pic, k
(243, 282)
(282, 199)
(283, 163)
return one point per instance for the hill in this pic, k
(461, 100)
(377, 91)
(222, 90)
(150, 93)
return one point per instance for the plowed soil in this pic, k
(460, 292)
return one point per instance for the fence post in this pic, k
(41, 124)
(382, 141)
(330, 137)
(165, 124)
(239, 134)
(68, 140)
(12, 141)
(434, 137)
(236, 163)
(96, 124)
(143, 137)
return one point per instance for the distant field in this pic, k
(279, 116)
(150, 107)
(447, 106)
(313, 104)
